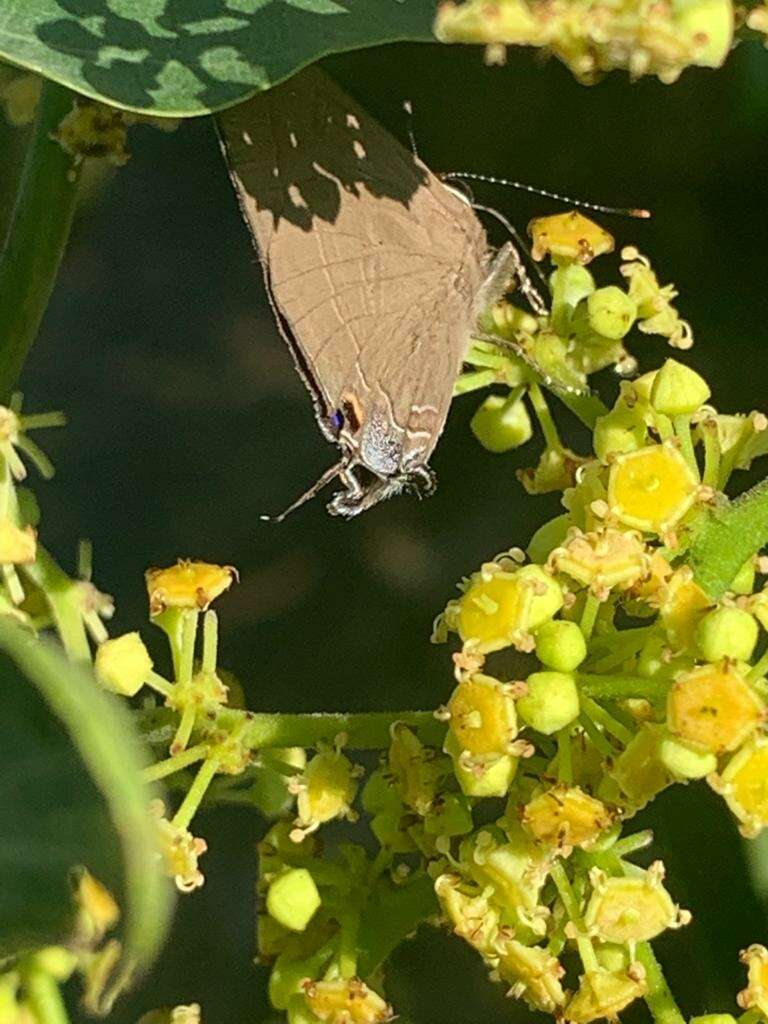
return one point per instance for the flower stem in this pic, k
(583, 944)
(620, 687)
(367, 730)
(176, 763)
(683, 431)
(37, 235)
(589, 616)
(658, 997)
(64, 598)
(544, 416)
(598, 714)
(189, 805)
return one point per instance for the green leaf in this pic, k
(390, 915)
(71, 794)
(181, 58)
(728, 536)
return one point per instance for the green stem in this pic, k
(589, 616)
(189, 805)
(564, 756)
(176, 763)
(658, 997)
(683, 431)
(611, 725)
(210, 641)
(711, 475)
(544, 416)
(367, 730)
(583, 944)
(44, 997)
(64, 597)
(760, 668)
(36, 237)
(474, 380)
(620, 687)
(730, 535)
(346, 958)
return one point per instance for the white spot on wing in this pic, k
(359, 149)
(294, 140)
(352, 122)
(294, 193)
(247, 139)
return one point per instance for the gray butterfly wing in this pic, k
(373, 265)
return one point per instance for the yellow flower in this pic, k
(325, 791)
(682, 604)
(187, 585)
(714, 707)
(755, 995)
(564, 817)
(123, 664)
(483, 717)
(638, 770)
(180, 851)
(534, 973)
(500, 608)
(514, 872)
(472, 916)
(568, 236)
(18, 545)
(415, 769)
(346, 1001)
(92, 129)
(603, 994)
(744, 785)
(97, 910)
(602, 560)
(654, 301)
(651, 488)
(625, 910)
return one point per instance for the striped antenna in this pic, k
(534, 190)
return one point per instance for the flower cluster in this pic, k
(642, 36)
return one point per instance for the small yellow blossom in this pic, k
(744, 785)
(602, 559)
(604, 994)
(180, 851)
(123, 664)
(714, 707)
(556, 470)
(414, 768)
(569, 236)
(514, 871)
(682, 603)
(324, 791)
(483, 719)
(564, 817)
(500, 607)
(633, 909)
(187, 585)
(638, 771)
(18, 545)
(97, 910)
(533, 972)
(650, 586)
(755, 995)
(654, 301)
(346, 1001)
(651, 488)
(472, 916)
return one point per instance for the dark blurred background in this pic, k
(187, 421)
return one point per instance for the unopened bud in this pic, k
(678, 390)
(293, 899)
(560, 645)
(551, 703)
(500, 425)
(727, 633)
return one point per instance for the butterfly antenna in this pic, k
(620, 211)
(526, 285)
(313, 491)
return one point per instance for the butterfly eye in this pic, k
(337, 420)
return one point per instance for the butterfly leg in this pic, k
(507, 267)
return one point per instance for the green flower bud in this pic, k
(551, 703)
(560, 645)
(709, 24)
(726, 633)
(685, 762)
(743, 583)
(611, 312)
(612, 956)
(450, 816)
(678, 390)
(293, 899)
(123, 664)
(621, 430)
(502, 423)
(570, 284)
(713, 1018)
(548, 537)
